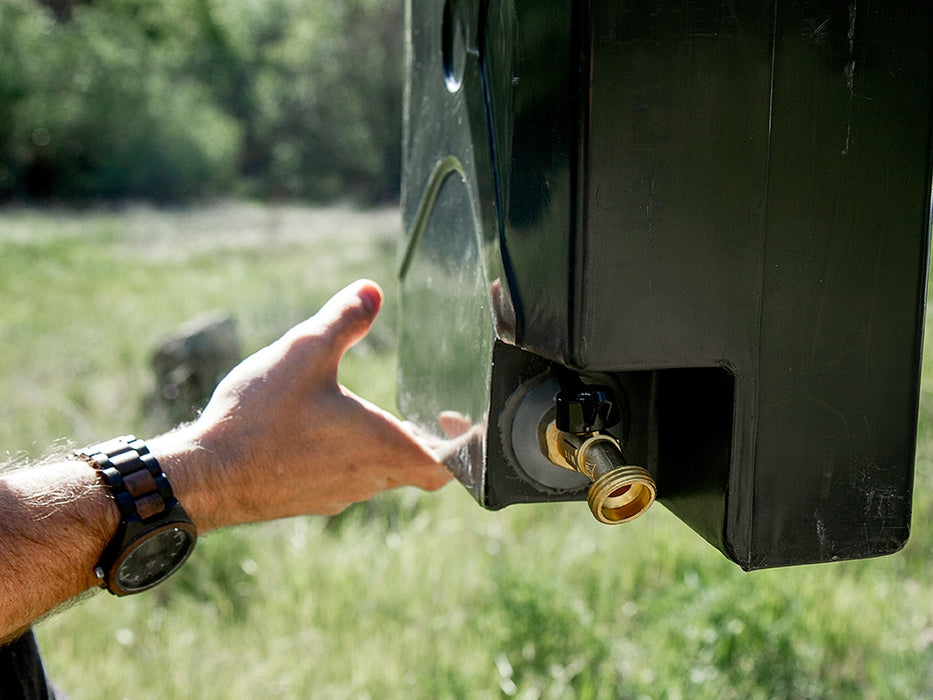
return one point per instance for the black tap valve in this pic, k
(588, 409)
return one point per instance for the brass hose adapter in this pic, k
(620, 492)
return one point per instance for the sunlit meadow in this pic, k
(412, 595)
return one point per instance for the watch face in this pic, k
(155, 558)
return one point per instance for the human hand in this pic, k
(281, 437)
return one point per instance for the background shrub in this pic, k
(186, 98)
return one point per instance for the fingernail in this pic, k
(371, 298)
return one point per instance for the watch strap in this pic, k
(134, 476)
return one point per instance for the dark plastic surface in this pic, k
(721, 208)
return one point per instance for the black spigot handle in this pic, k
(587, 409)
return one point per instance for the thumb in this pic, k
(343, 321)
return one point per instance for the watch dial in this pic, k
(154, 559)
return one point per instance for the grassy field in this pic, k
(413, 595)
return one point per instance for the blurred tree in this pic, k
(326, 95)
(93, 113)
(182, 98)
(61, 8)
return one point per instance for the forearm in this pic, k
(55, 521)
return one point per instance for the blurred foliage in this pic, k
(190, 98)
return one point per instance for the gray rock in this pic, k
(189, 365)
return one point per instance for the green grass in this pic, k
(413, 595)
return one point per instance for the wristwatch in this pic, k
(155, 535)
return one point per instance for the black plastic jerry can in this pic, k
(713, 216)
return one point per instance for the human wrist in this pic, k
(192, 468)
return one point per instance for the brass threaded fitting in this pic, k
(621, 495)
(620, 492)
